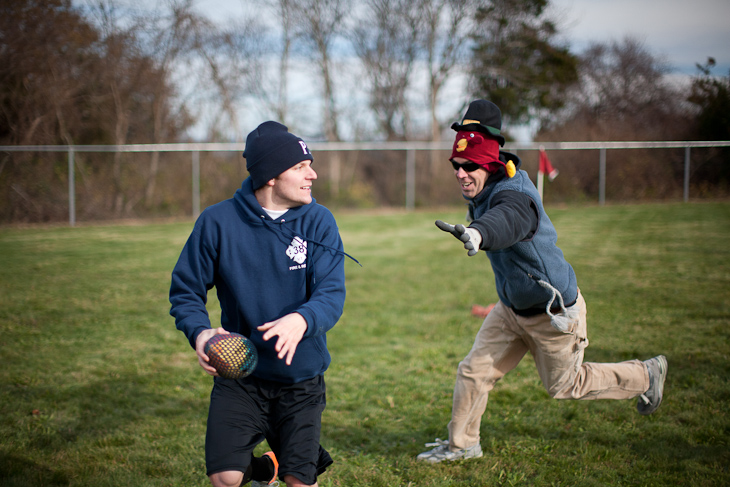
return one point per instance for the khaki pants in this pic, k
(500, 344)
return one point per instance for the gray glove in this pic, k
(470, 236)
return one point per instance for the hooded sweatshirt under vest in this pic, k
(521, 242)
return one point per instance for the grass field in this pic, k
(98, 388)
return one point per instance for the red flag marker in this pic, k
(546, 167)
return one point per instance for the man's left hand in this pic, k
(470, 236)
(290, 330)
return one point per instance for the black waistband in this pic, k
(541, 310)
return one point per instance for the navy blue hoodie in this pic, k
(262, 270)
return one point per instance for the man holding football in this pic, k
(276, 260)
(540, 308)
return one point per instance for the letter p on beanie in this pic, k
(271, 150)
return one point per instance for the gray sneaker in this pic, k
(441, 452)
(652, 398)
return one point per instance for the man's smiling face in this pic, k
(471, 182)
(293, 187)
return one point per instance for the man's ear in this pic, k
(271, 182)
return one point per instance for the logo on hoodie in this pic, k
(297, 252)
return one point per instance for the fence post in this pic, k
(602, 177)
(686, 174)
(71, 187)
(335, 170)
(196, 184)
(410, 179)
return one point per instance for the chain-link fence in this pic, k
(96, 183)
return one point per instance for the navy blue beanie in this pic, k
(271, 150)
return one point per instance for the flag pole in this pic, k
(540, 175)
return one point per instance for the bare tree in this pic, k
(447, 27)
(179, 33)
(385, 38)
(148, 53)
(46, 53)
(123, 70)
(287, 39)
(623, 92)
(320, 24)
(274, 92)
(264, 42)
(47, 50)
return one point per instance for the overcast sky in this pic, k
(683, 32)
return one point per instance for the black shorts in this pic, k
(244, 412)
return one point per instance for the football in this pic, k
(232, 355)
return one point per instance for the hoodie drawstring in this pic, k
(565, 317)
(280, 229)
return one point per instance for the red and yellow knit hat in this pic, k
(479, 136)
(480, 150)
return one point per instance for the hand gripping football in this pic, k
(232, 355)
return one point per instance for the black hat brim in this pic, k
(477, 127)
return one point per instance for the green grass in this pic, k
(98, 388)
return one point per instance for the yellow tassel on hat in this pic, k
(511, 169)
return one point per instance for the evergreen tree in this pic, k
(518, 63)
(711, 94)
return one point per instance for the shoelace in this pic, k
(438, 442)
(643, 397)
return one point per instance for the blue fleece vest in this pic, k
(516, 267)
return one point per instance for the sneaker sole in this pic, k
(436, 459)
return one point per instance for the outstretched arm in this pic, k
(512, 217)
